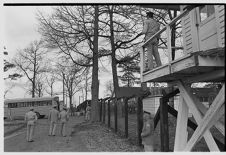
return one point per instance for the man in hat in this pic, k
(30, 118)
(64, 117)
(53, 118)
(148, 138)
(151, 26)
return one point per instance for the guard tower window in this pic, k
(206, 11)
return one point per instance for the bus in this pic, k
(16, 108)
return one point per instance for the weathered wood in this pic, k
(104, 112)
(109, 114)
(101, 109)
(171, 94)
(169, 50)
(181, 128)
(139, 119)
(126, 116)
(164, 132)
(142, 63)
(212, 115)
(115, 114)
(203, 110)
(193, 126)
(188, 97)
(157, 117)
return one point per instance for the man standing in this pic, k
(30, 118)
(53, 117)
(151, 26)
(64, 117)
(88, 112)
(147, 133)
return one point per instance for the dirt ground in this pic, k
(81, 137)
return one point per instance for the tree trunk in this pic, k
(94, 104)
(33, 88)
(114, 63)
(63, 90)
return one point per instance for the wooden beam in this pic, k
(168, 32)
(109, 114)
(193, 126)
(142, 63)
(126, 116)
(101, 109)
(205, 76)
(203, 110)
(139, 119)
(116, 115)
(181, 128)
(188, 97)
(211, 116)
(104, 114)
(171, 94)
(164, 131)
(157, 117)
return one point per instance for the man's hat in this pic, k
(31, 108)
(150, 14)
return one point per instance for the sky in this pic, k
(19, 29)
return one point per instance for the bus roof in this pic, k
(29, 99)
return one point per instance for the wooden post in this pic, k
(169, 50)
(100, 109)
(115, 113)
(181, 128)
(142, 63)
(164, 132)
(126, 116)
(104, 114)
(189, 99)
(109, 114)
(139, 119)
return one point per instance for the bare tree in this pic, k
(109, 88)
(30, 62)
(74, 30)
(72, 76)
(40, 86)
(50, 80)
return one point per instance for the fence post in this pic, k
(139, 119)
(109, 114)
(115, 113)
(164, 132)
(100, 109)
(126, 116)
(104, 111)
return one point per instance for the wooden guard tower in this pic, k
(203, 60)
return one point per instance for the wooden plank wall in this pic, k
(220, 21)
(187, 33)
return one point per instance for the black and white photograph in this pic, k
(112, 77)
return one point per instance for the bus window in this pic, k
(12, 105)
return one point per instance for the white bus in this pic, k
(16, 108)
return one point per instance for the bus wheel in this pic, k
(38, 115)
